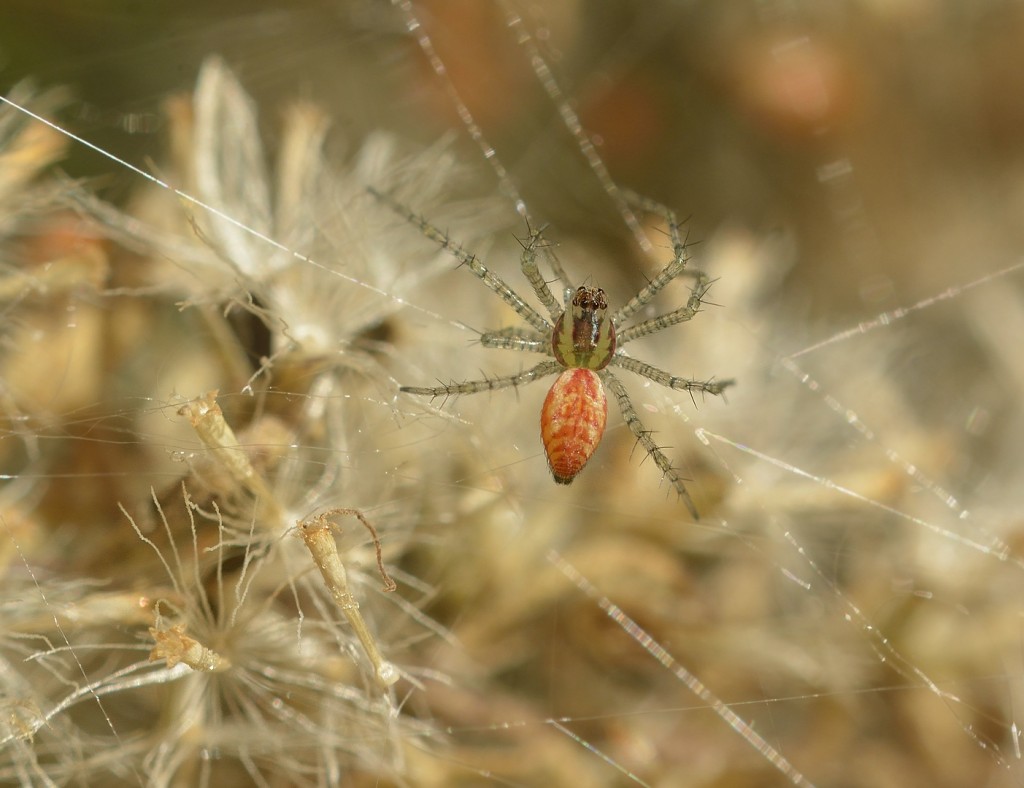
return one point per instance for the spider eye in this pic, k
(590, 298)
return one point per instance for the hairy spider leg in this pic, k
(452, 389)
(643, 436)
(674, 268)
(663, 378)
(531, 271)
(474, 264)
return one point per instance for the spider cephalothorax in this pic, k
(582, 341)
(583, 336)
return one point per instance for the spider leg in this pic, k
(471, 261)
(532, 272)
(644, 438)
(516, 339)
(651, 372)
(670, 271)
(680, 315)
(543, 369)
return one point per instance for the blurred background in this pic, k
(851, 174)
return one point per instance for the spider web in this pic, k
(845, 611)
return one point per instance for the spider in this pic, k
(583, 342)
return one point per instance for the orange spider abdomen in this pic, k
(572, 421)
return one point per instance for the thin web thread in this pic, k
(997, 548)
(571, 120)
(656, 650)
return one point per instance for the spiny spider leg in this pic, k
(516, 339)
(543, 369)
(516, 331)
(492, 280)
(643, 436)
(556, 266)
(651, 372)
(680, 315)
(670, 271)
(532, 273)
